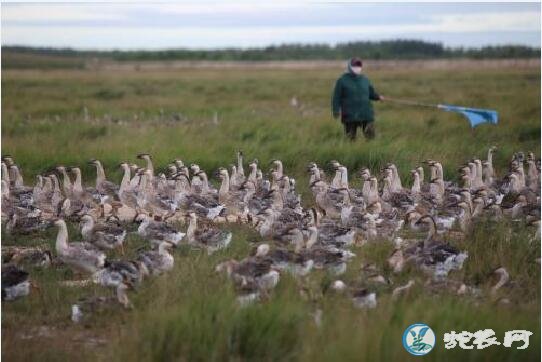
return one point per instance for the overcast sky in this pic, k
(205, 24)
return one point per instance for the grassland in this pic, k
(204, 116)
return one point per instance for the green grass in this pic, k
(68, 117)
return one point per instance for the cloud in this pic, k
(60, 12)
(182, 25)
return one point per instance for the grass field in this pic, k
(206, 115)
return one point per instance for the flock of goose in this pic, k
(181, 207)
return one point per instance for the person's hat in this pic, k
(356, 62)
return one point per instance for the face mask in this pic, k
(356, 70)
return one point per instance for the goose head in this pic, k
(338, 285)
(179, 163)
(87, 221)
(73, 170)
(94, 162)
(503, 276)
(144, 156)
(61, 169)
(519, 157)
(312, 167)
(194, 168)
(253, 164)
(8, 160)
(262, 250)
(365, 174)
(172, 169)
(222, 173)
(335, 164)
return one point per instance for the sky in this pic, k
(220, 24)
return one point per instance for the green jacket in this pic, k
(352, 98)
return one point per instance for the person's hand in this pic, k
(381, 98)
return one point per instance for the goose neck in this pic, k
(61, 238)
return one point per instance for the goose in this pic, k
(416, 188)
(369, 229)
(206, 188)
(211, 238)
(361, 298)
(83, 257)
(157, 261)
(533, 175)
(479, 171)
(15, 176)
(337, 179)
(252, 270)
(397, 260)
(330, 258)
(331, 201)
(464, 216)
(253, 174)
(157, 232)
(15, 283)
(237, 173)
(135, 170)
(516, 210)
(115, 272)
(5, 172)
(296, 264)
(148, 159)
(436, 256)
(81, 200)
(232, 200)
(127, 193)
(490, 152)
(107, 189)
(18, 191)
(86, 307)
(504, 277)
(104, 236)
(25, 221)
(331, 233)
(66, 182)
(395, 197)
(34, 256)
(240, 168)
(396, 179)
(402, 290)
(278, 168)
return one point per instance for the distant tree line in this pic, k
(388, 49)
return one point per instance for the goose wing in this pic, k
(11, 276)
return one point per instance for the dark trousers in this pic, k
(351, 129)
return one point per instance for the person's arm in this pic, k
(336, 100)
(373, 95)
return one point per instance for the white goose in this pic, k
(83, 257)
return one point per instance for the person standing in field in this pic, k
(352, 101)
